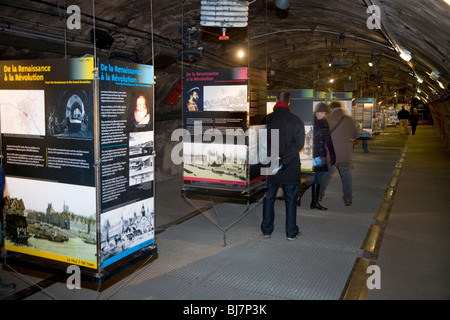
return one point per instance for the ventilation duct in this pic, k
(340, 64)
(224, 13)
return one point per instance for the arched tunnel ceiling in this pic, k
(294, 46)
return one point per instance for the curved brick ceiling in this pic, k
(294, 46)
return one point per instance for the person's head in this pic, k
(284, 96)
(335, 105)
(321, 110)
(141, 109)
(195, 95)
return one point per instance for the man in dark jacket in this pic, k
(291, 139)
(403, 118)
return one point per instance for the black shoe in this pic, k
(315, 190)
(316, 205)
(348, 202)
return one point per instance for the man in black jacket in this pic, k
(291, 139)
(403, 118)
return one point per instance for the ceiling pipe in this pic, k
(322, 31)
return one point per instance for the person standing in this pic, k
(321, 142)
(291, 139)
(4, 288)
(343, 132)
(403, 118)
(414, 119)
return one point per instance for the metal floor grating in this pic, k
(192, 262)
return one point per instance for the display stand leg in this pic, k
(219, 225)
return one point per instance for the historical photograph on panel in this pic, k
(307, 151)
(70, 114)
(141, 169)
(193, 99)
(140, 111)
(225, 98)
(51, 219)
(126, 227)
(215, 162)
(140, 143)
(22, 112)
(257, 144)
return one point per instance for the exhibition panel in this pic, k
(223, 113)
(79, 168)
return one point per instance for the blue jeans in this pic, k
(346, 177)
(290, 195)
(318, 177)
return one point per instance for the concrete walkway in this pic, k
(414, 257)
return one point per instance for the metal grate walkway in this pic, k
(193, 264)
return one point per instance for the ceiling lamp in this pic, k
(282, 4)
(405, 55)
(375, 57)
(435, 75)
(419, 80)
(190, 38)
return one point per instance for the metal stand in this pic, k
(255, 196)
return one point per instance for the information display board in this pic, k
(127, 166)
(77, 168)
(363, 115)
(223, 111)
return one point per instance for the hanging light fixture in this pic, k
(405, 55)
(282, 4)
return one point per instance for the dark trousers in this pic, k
(413, 127)
(290, 198)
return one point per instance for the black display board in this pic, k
(79, 171)
(222, 114)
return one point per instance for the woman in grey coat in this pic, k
(343, 132)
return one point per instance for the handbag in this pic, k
(319, 161)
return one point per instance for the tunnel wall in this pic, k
(440, 111)
(167, 119)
